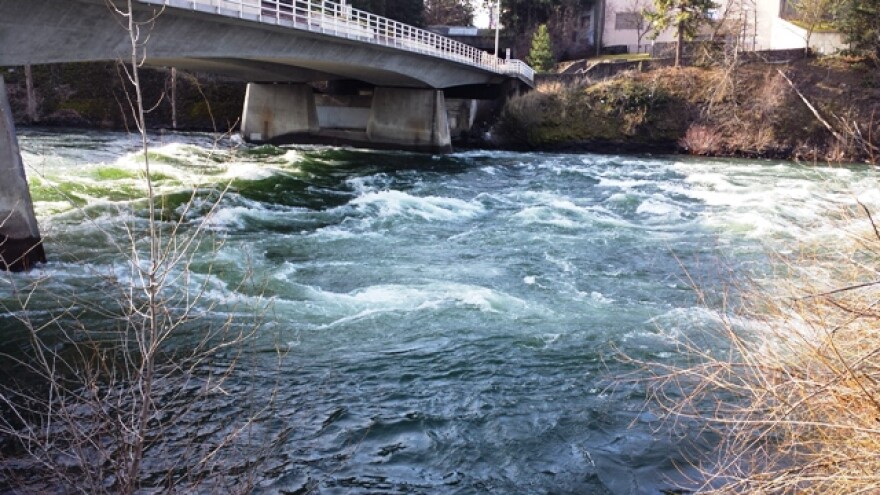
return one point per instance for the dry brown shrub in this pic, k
(794, 391)
(772, 95)
(702, 140)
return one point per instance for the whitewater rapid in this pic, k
(449, 324)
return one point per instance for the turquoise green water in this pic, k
(450, 324)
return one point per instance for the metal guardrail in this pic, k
(339, 19)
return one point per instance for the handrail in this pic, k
(341, 20)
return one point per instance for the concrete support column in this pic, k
(461, 115)
(275, 111)
(410, 119)
(20, 243)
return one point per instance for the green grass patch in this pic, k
(623, 56)
(822, 27)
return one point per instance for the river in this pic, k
(448, 324)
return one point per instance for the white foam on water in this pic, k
(392, 203)
(621, 197)
(660, 208)
(374, 300)
(367, 184)
(561, 212)
(543, 215)
(625, 184)
(601, 298)
(715, 181)
(563, 264)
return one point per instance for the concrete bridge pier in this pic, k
(20, 243)
(398, 118)
(414, 119)
(278, 111)
(461, 115)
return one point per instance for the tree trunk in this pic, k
(174, 98)
(807, 42)
(679, 45)
(33, 117)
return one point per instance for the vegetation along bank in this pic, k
(816, 109)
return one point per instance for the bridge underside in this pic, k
(59, 31)
(406, 88)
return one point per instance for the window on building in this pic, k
(627, 20)
(574, 36)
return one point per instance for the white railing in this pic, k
(321, 16)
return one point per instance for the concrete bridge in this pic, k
(390, 81)
(403, 74)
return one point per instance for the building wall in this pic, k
(787, 35)
(617, 32)
(757, 23)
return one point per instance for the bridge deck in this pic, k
(293, 41)
(344, 21)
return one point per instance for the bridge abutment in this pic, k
(20, 242)
(278, 111)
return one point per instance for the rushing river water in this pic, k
(450, 324)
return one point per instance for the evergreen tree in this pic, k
(541, 55)
(686, 16)
(520, 16)
(860, 20)
(449, 13)
(406, 11)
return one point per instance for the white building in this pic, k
(757, 24)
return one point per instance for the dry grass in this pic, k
(794, 394)
(701, 140)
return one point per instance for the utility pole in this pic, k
(497, 25)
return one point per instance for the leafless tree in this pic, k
(110, 407)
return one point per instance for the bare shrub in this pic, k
(773, 95)
(116, 392)
(793, 392)
(524, 113)
(701, 140)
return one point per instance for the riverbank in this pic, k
(825, 109)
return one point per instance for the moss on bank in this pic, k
(751, 111)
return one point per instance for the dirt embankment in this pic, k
(818, 109)
(96, 95)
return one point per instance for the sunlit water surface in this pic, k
(449, 324)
